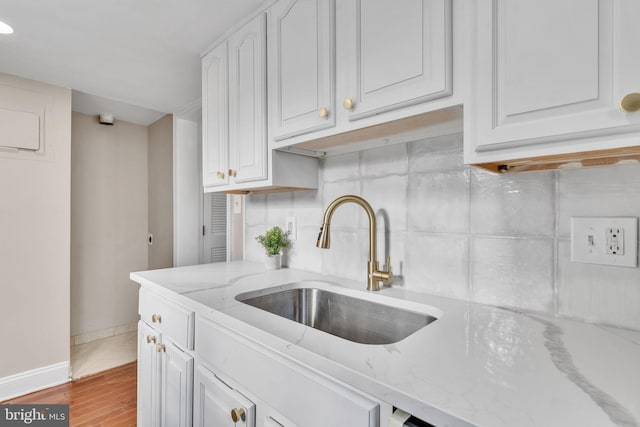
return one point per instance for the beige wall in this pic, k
(109, 222)
(161, 192)
(34, 241)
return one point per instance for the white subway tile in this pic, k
(434, 154)
(279, 207)
(597, 293)
(439, 202)
(388, 198)
(605, 191)
(344, 166)
(304, 254)
(437, 264)
(253, 251)
(346, 257)
(388, 160)
(348, 215)
(255, 209)
(513, 272)
(308, 208)
(514, 204)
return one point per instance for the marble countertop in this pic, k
(476, 365)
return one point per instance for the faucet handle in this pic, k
(387, 264)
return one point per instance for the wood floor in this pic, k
(107, 399)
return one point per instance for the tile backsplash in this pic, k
(461, 232)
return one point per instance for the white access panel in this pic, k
(605, 240)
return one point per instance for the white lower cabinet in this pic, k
(165, 369)
(217, 404)
(285, 392)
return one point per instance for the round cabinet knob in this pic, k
(630, 102)
(324, 113)
(232, 173)
(156, 318)
(220, 175)
(237, 414)
(151, 338)
(160, 348)
(348, 104)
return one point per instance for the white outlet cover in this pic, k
(291, 227)
(589, 240)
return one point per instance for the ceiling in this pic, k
(145, 53)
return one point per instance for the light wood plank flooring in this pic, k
(107, 399)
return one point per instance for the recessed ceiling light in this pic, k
(5, 28)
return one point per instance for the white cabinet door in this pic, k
(215, 131)
(549, 71)
(247, 102)
(177, 387)
(214, 401)
(148, 376)
(301, 36)
(398, 53)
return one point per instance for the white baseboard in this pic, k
(103, 333)
(34, 380)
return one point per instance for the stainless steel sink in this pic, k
(353, 319)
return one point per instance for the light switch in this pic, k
(605, 240)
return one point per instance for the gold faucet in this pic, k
(374, 276)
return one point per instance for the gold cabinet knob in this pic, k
(151, 338)
(630, 102)
(160, 348)
(348, 104)
(156, 318)
(220, 175)
(237, 414)
(233, 173)
(324, 113)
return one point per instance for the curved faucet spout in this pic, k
(374, 275)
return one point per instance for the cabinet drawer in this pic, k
(307, 398)
(173, 320)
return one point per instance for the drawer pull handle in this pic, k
(220, 175)
(237, 414)
(233, 173)
(151, 338)
(630, 102)
(156, 318)
(160, 348)
(324, 113)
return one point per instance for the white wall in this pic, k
(461, 232)
(34, 244)
(109, 222)
(160, 163)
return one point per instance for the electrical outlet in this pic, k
(605, 240)
(291, 227)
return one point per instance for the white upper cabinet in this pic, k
(247, 102)
(398, 53)
(215, 135)
(301, 36)
(235, 152)
(342, 66)
(548, 75)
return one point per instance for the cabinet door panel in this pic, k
(214, 400)
(301, 66)
(545, 71)
(148, 376)
(247, 96)
(399, 54)
(177, 387)
(215, 132)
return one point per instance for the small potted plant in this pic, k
(274, 241)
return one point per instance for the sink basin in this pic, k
(353, 319)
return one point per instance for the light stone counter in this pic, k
(476, 365)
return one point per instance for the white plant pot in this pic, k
(273, 262)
